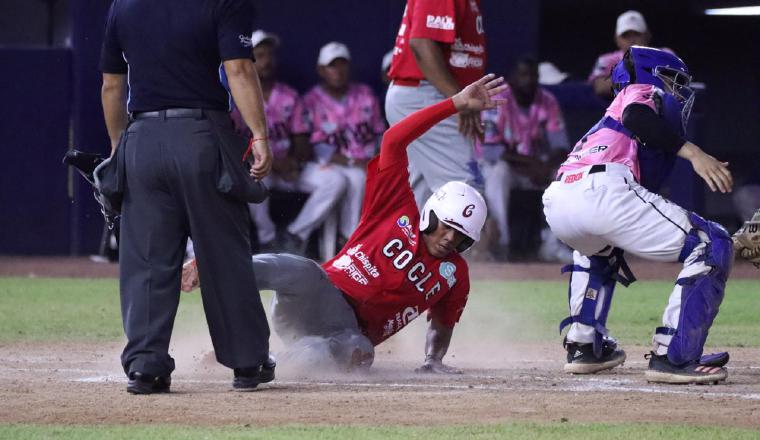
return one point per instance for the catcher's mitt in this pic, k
(747, 240)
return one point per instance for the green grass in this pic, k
(40, 309)
(555, 430)
(532, 310)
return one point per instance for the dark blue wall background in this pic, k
(51, 97)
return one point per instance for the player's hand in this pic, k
(434, 366)
(190, 277)
(715, 173)
(262, 158)
(480, 95)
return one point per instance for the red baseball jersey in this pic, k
(385, 268)
(457, 23)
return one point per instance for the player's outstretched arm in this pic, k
(473, 98)
(715, 173)
(436, 346)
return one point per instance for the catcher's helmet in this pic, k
(660, 68)
(458, 205)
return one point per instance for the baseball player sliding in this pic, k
(602, 204)
(397, 264)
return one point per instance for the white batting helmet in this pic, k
(458, 205)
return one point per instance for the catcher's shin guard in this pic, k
(601, 276)
(701, 294)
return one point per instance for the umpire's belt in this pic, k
(195, 113)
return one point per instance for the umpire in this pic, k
(168, 146)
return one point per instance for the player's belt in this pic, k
(195, 113)
(598, 168)
(406, 82)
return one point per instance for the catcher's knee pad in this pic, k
(701, 294)
(603, 274)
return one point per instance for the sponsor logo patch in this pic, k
(402, 318)
(591, 293)
(443, 22)
(363, 258)
(346, 264)
(571, 178)
(447, 270)
(405, 224)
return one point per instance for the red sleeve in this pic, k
(387, 174)
(434, 19)
(448, 310)
(399, 136)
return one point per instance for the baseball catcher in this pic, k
(399, 262)
(603, 204)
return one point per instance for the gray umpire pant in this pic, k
(310, 314)
(171, 167)
(440, 155)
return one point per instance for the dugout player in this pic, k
(289, 139)
(170, 147)
(399, 263)
(440, 48)
(345, 124)
(602, 204)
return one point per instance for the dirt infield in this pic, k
(76, 267)
(82, 384)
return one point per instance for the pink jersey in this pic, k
(385, 269)
(523, 132)
(352, 125)
(610, 146)
(283, 111)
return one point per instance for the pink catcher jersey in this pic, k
(610, 146)
(283, 111)
(523, 132)
(353, 125)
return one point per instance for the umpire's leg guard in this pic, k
(708, 257)
(593, 279)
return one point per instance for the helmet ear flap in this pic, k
(432, 224)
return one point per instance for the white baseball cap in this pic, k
(630, 21)
(387, 58)
(332, 51)
(549, 74)
(259, 36)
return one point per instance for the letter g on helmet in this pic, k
(458, 205)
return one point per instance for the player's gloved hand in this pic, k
(436, 366)
(190, 277)
(747, 240)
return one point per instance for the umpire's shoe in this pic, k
(581, 359)
(247, 379)
(700, 371)
(141, 383)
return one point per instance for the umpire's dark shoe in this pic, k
(247, 379)
(698, 372)
(581, 359)
(141, 383)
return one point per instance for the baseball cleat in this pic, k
(581, 358)
(662, 371)
(141, 383)
(247, 379)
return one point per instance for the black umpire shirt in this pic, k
(171, 50)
